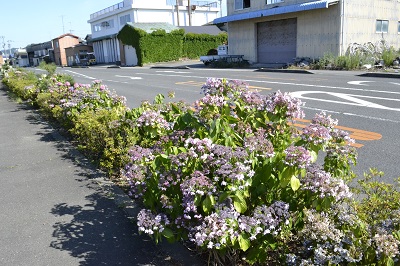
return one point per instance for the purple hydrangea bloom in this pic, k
(297, 156)
(321, 182)
(316, 134)
(150, 223)
(284, 101)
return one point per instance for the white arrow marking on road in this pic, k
(128, 77)
(358, 83)
(352, 99)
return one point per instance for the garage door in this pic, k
(130, 56)
(276, 41)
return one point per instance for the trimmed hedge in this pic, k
(157, 46)
(160, 46)
(195, 45)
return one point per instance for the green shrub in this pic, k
(196, 45)
(49, 67)
(157, 46)
(389, 55)
(105, 137)
(21, 82)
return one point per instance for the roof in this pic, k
(150, 27)
(277, 11)
(102, 38)
(65, 35)
(78, 45)
(212, 29)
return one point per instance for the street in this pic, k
(367, 107)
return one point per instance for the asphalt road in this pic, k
(367, 107)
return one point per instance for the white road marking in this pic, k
(79, 74)
(128, 77)
(351, 99)
(351, 114)
(358, 83)
(279, 83)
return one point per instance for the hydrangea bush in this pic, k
(235, 178)
(230, 174)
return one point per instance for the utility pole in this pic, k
(62, 20)
(190, 13)
(4, 44)
(177, 12)
(9, 48)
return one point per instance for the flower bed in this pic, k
(231, 175)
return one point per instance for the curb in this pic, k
(381, 75)
(296, 71)
(169, 67)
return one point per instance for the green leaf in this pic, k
(389, 262)
(208, 203)
(295, 183)
(224, 196)
(167, 233)
(244, 242)
(239, 202)
(314, 156)
(197, 199)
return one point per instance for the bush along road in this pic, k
(229, 174)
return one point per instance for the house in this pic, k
(39, 52)
(20, 58)
(277, 31)
(1, 59)
(78, 54)
(59, 45)
(106, 23)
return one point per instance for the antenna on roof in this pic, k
(70, 28)
(62, 19)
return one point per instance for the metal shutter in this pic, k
(276, 41)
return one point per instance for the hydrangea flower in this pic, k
(297, 156)
(279, 101)
(321, 182)
(150, 223)
(153, 119)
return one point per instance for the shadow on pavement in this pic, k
(99, 234)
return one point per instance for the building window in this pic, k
(241, 4)
(398, 27)
(97, 27)
(382, 26)
(124, 19)
(270, 2)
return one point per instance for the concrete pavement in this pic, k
(56, 209)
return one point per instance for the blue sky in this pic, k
(35, 21)
(42, 20)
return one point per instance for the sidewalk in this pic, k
(57, 210)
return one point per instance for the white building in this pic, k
(106, 23)
(21, 58)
